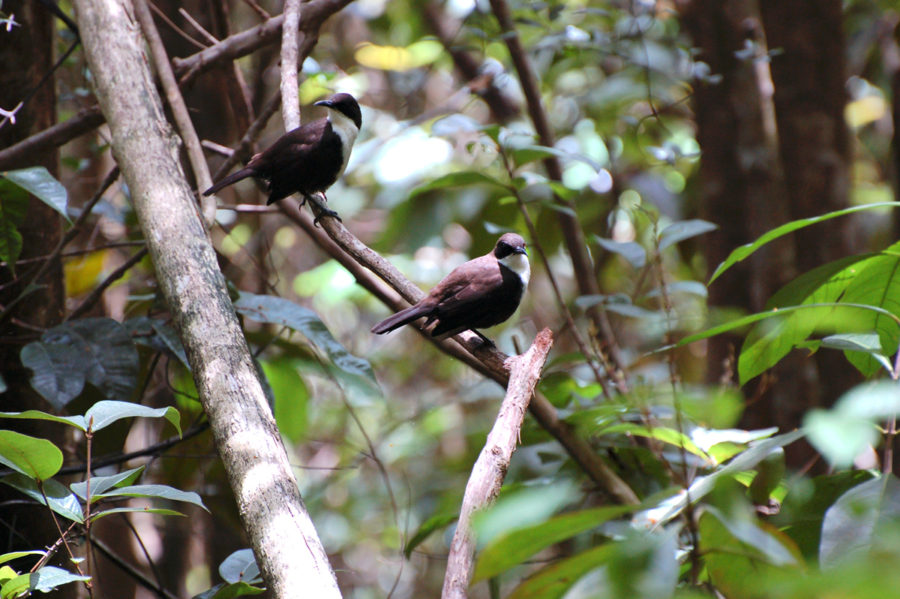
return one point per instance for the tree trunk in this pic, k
(288, 551)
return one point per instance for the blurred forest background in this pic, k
(668, 133)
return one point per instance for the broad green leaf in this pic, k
(268, 308)
(553, 581)
(746, 250)
(101, 484)
(850, 426)
(155, 492)
(61, 500)
(38, 181)
(735, 567)
(57, 372)
(630, 250)
(432, 524)
(8, 557)
(103, 413)
(750, 532)
(240, 566)
(143, 510)
(865, 342)
(98, 350)
(856, 518)
(76, 421)
(769, 342)
(158, 335)
(291, 397)
(516, 546)
(660, 433)
(523, 507)
(458, 179)
(702, 485)
(684, 229)
(877, 283)
(525, 154)
(35, 458)
(17, 586)
(48, 578)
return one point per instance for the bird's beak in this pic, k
(521, 251)
(323, 103)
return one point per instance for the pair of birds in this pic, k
(481, 293)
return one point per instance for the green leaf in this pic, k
(515, 546)
(855, 520)
(748, 531)
(746, 250)
(76, 421)
(143, 510)
(98, 350)
(432, 524)
(291, 397)
(229, 591)
(684, 229)
(38, 181)
(523, 507)
(49, 578)
(101, 484)
(155, 492)
(104, 413)
(35, 458)
(269, 308)
(16, 587)
(56, 371)
(553, 581)
(458, 179)
(843, 432)
(61, 500)
(8, 557)
(630, 250)
(240, 566)
(525, 154)
(660, 433)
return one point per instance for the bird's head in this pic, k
(508, 245)
(344, 104)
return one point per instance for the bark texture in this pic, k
(289, 553)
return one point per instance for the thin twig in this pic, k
(178, 108)
(572, 233)
(139, 577)
(184, 34)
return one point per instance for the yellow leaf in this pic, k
(82, 273)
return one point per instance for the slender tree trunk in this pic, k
(291, 557)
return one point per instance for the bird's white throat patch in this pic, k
(518, 263)
(346, 130)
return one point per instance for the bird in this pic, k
(308, 159)
(482, 292)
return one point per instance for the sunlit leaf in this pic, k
(7, 557)
(746, 250)
(49, 578)
(104, 413)
(101, 484)
(269, 308)
(855, 519)
(240, 566)
(517, 545)
(38, 181)
(35, 458)
(553, 581)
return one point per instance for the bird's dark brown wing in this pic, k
(282, 154)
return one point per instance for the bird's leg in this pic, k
(487, 342)
(321, 208)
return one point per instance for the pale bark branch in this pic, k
(288, 551)
(493, 462)
(290, 87)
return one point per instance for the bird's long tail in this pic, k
(232, 178)
(399, 319)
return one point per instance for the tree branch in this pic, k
(287, 548)
(493, 462)
(572, 233)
